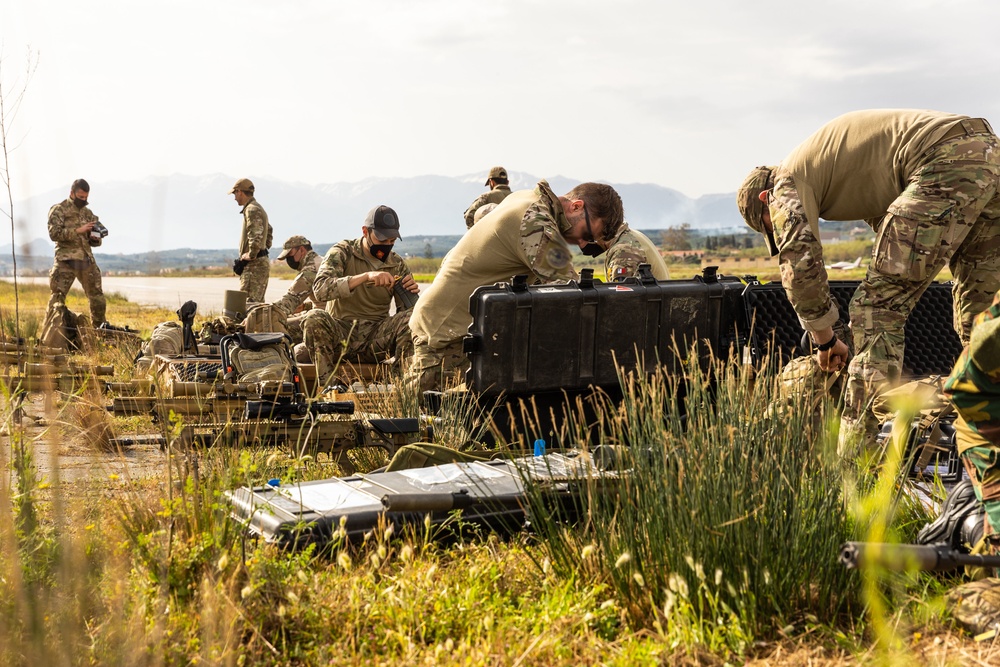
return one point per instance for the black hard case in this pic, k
(570, 337)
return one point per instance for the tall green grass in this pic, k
(727, 525)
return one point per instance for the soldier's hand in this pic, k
(245, 256)
(85, 228)
(380, 278)
(834, 359)
(410, 284)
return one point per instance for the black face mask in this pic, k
(380, 251)
(80, 203)
(292, 264)
(592, 249)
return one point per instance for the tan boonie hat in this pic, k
(292, 243)
(244, 184)
(496, 172)
(752, 208)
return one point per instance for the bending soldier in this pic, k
(499, 189)
(926, 182)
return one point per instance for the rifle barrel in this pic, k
(904, 557)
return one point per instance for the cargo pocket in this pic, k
(913, 237)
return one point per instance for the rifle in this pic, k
(904, 557)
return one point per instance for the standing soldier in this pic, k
(927, 184)
(253, 266)
(75, 230)
(499, 189)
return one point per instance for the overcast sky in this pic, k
(689, 95)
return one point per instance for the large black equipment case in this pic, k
(932, 346)
(528, 339)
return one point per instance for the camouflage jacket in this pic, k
(302, 287)
(852, 168)
(974, 384)
(523, 236)
(628, 250)
(64, 218)
(257, 233)
(494, 196)
(349, 258)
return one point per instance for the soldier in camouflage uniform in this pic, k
(255, 241)
(298, 253)
(528, 234)
(71, 226)
(629, 249)
(356, 279)
(499, 189)
(926, 182)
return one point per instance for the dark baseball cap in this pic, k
(383, 222)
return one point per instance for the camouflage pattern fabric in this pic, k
(254, 279)
(542, 228)
(331, 340)
(349, 258)
(628, 250)
(947, 215)
(214, 330)
(974, 390)
(64, 219)
(436, 369)
(976, 605)
(256, 235)
(293, 327)
(301, 287)
(74, 259)
(61, 277)
(522, 236)
(494, 196)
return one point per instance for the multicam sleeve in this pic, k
(974, 384)
(800, 258)
(626, 254)
(470, 213)
(57, 225)
(547, 254)
(331, 279)
(299, 290)
(256, 230)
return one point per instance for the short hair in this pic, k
(604, 203)
(80, 184)
(500, 181)
(307, 246)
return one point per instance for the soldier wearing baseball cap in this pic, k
(253, 266)
(499, 189)
(361, 279)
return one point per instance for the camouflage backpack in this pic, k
(264, 318)
(167, 338)
(62, 328)
(259, 357)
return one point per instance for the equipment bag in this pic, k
(258, 357)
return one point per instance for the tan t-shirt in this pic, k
(853, 167)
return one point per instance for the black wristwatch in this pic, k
(828, 345)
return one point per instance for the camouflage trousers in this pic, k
(436, 368)
(253, 280)
(293, 326)
(982, 462)
(949, 214)
(61, 278)
(331, 340)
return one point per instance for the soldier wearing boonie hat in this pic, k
(917, 178)
(357, 279)
(499, 189)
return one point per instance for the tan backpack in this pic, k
(264, 318)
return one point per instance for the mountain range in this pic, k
(178, 211)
